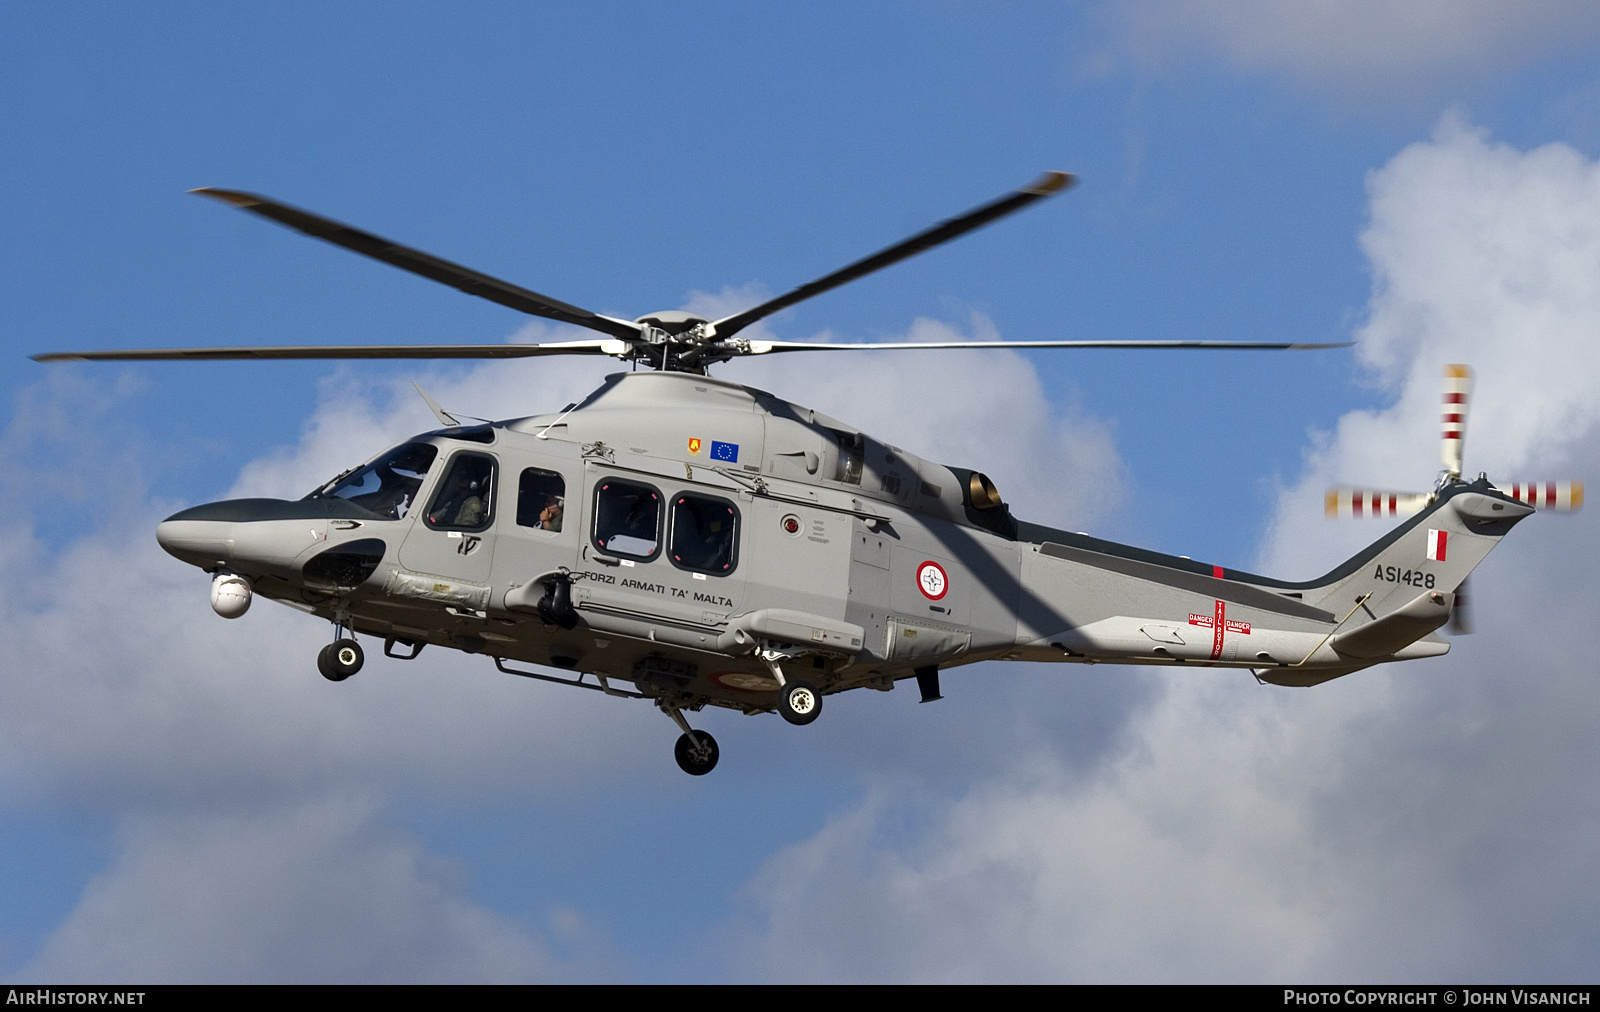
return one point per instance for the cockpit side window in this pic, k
(627, 519)
(465, 499)
(705, 534)
(541, 499)
(388, 486)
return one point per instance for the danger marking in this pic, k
(1219, 624)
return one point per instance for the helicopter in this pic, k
(695, 542)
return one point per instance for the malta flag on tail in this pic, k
(1436, 541)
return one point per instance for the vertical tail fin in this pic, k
(1433, 551)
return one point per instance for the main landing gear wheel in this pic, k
(696, 753)
(799, 701)
(340, 659)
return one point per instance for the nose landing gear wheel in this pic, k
(696, 753)
(799, 702)
(340, 659)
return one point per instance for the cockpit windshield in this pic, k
(388, 486)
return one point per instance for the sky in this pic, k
(183, 798)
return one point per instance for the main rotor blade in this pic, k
(1050, 182)
(345, 351)
(417, 262)
(768, 347)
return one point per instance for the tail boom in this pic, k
(1113, 604)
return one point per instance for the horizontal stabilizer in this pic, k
(1400, 628)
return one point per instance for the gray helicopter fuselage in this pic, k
(697, 538)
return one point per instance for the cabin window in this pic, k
(388, 486)
(465, 499)
(541, 499)
(627, 519)
(705, 534)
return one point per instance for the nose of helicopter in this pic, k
(267, 532)
(203, 543)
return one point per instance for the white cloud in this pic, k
(1406, 826)
(980, 409)
(1371, 47)
(319, 892)
(215, 746)
(1422, 822)
(1484, 255)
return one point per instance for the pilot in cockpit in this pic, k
(463, 504)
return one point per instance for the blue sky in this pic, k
(185, 799)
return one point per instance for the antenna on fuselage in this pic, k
(445, 417)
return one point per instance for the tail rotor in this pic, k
(1457, 390)
(1558, 496)
(1355, 502)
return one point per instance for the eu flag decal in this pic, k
(728, 452)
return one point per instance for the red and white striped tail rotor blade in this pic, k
(1561, 496)
(1355, 502)
(1457, 390)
